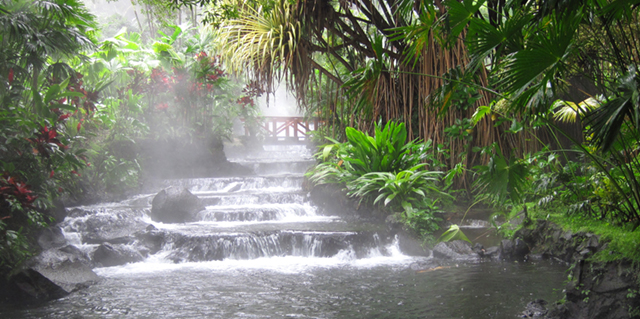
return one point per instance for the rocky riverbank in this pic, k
(607, 290)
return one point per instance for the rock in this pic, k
(535, 309)
(51, 237)
(235, 188)
(150, 240)
(52, 274)
(67, 267)
(108, 255)
(30, 287)
(332, 200)
(457, 249)
(515, 249)
(602, 290)
(175, 205)
(490, 252)
(597, 290)
(99, 225)
(493, 251)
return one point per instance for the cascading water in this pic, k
(261, 249)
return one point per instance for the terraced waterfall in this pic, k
(261, 249)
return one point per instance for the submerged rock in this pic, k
(535, 309)
(175, 205)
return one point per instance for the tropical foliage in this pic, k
(74, 107)
(494, 85)
(41, 98)
(387, 170)
(521, 103)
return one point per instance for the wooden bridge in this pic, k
(287, 130)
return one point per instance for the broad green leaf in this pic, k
(52, 93)
(453, 233)
(326, 151)
(389, 199)
(480, 113)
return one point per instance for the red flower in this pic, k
(11, 188)
(201, 55)
(63, 117)
(162, 106)
(51, 174)
(10, 76)
(74, 172)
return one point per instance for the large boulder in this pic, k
(52, 274)
(175, 205)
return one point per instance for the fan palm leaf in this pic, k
(265, 43)
(606, 121)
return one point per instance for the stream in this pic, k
(261, 249)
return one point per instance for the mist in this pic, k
(281, 103)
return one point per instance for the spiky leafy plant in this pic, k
(384, 169)
(402, 191)
(386, 151)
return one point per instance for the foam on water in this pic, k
(158, 264)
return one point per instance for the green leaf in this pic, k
(63, 107)
(390, 198)
(52, 93)
(408, 208)
(326, 151)
(480, 113)
(453, 233)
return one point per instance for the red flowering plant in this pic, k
(14, 196)
(200, 96)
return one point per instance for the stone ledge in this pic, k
(602, 290)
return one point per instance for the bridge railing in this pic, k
(279, 129)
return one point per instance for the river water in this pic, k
(262, 250)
